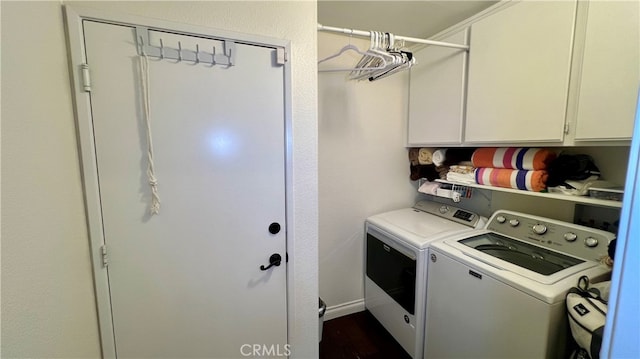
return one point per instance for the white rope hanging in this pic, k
(153, 182)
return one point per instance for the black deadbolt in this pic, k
(274, 228)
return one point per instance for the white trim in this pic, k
(340, 310)
(466, 23)
(74, 16)
(90, 182)
(86, 13)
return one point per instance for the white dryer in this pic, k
(396, 265)
(499, 292)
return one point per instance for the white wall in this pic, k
(48, 304)
(363, 168)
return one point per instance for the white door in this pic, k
(187, 282)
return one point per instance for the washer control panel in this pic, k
(452, 213)
(576, 240)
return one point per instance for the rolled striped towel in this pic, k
(425, 156)
(512, 157)
(519, 179)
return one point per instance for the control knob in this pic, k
(539, 229)
(590, 242)
(444, 209)
(514, 222)
(501, 219)
(570, 236)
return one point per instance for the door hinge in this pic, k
(566, 128)
(281, 56)
(86, 79)
(105, 258)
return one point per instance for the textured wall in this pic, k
(48, 305)
(363, 167)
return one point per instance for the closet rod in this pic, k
(405, 38)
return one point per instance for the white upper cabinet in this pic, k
(519, 65)
(610, 74)
(436, 94)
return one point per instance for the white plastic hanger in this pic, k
(376, 59)
(381, 65)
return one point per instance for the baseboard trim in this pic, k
(337, 311)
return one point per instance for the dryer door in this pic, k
(392, 271)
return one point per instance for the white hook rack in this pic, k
(180, 54)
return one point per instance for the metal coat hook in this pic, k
(195, 56)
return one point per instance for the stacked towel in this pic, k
(421, 164)
(433, 163)
(462, 174)
(518, 179)
(442, 171)
(513, 157)
(423, 171)
(513, 167)
(413, 156)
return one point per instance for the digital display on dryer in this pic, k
(465, 216)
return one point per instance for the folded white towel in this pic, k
(462, 169)
(461, 177)
(429, 187)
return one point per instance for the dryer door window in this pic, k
(392, 271)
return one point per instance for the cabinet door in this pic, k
(610, 71)
(436, 94)
(519, 66)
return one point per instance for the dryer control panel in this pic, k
(573, 239)
(452, 213)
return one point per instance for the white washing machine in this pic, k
(396, 265)
(499, 292)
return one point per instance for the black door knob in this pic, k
(274, 260)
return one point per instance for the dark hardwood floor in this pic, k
(358, 335)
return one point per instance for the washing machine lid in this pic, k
(415, 227)
(550, 288)
(534, 258)
(553, 268)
